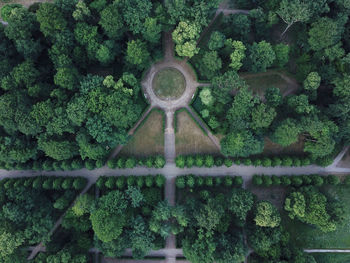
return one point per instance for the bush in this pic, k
(47, 183)
(317, 180)
(247, 162)
(47, 165)
(285, 180)
(29, 182)
(77, 164)
(189, 161)
(305, 161)
(66, 165)
(228, 162)
(218, 181)
(199, 161)
(209, 161)
(190, 182)
(180, 161)
(37, 183)
(130, 180)
(296, 180)
(112, 164)
(89, 164)
(306, 180)
(219, 161)
(100, 183)
(67, 183)
(56, 166)
(276, 180)
(276, 161)
(159, 162)
(257, 180)
(287, 161)
(180, 182)
(238, 180)
(120, 182)
(237, 161)
(228, 181)
(140, 181)
(57, 183)
(296, 161)
(333, 179)
(199, 181)
(325, 161)
(266, 180)
(159, 180)
(209, 181)
(130, 163)
(149, 181)
(110, 182)
(257, 162)
(99, 163)
(121, 163)
(266, 162)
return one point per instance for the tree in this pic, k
(210, 64)
(6, 10)
(51, 19)
(237, 26)
(137, 54)
(240, 203)
(273, 96)
(206, 96)
(293, 11)
(66, 78)
(81, 11)
(152, 30)
(216, 41)
(262, 116)
(241, 144)
(237, 55)
(135, 12)
(111, 21)
(184, 36)
(261, 56)
(323, 34)
(267, 215)
(312, 82)
(286, 133)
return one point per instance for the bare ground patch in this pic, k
(274, 149)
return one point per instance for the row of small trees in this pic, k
(209, 161)
(123, 182)
(192, 181)
(46, 183)
(131, 162)
(298, 180)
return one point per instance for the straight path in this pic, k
(169, 138)
(327, 250)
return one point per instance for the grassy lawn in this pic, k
(169, 84)
(309, 237)
(331, 257)
(260, 82)
(274, 149)
(148, 138)
(190, 139)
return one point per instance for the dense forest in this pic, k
(71, 70)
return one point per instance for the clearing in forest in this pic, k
(274, 149)
(189, 137)
(148, 139)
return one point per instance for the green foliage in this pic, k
(185, 36)
(216, 41)
(6, 10)
(210, 64)
(323, 34)
(267, 215)
(137, 54)
(237, 55)
(282, 55)
(261, 56)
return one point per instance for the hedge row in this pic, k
(210, 161)
(51, 165)
(131, 162)
(46, 182)
(297, 180)
(192, 181)
(122, 182)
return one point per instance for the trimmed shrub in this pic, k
(29, 182)
(287, 161)
(190, 182)
(219, 161)
(37, 165)
(238, 180)
(285, 180)
(99, 163)
(199, 161)
(180, 182)
(112, 164)
(305, 161)
(247, 162)
(140, 181)
(77, 164)
(237, 161)
(189, 161)
(120, 182)
(89, 164)
(257, 180)
(37, 183)
(317, 180)
(57, 183)
(276, 180)
(228, 162)
(209, 181)
(159, 162)
(66, 165)
(149, 162)
(47, 165)
(218, 181)
(180, 161)
(228, 181)
(296, 161)
(306, 180)
(333, 180)
(149, 181)
(204, 195)
(276, 161)
(208, 161)
(159, 180)
(100, 183)
(110, 182)
(297, 180)
(266, 180)
(130, 163)
(257, 162)
(130, 180)
(67, 183)
(56, 166)
(47, 183)
(266, 162)
(121, 163)
(199, 181)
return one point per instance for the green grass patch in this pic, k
(169, 83)
(307, 236)
(331, 257)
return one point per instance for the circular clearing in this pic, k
(169, 84)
